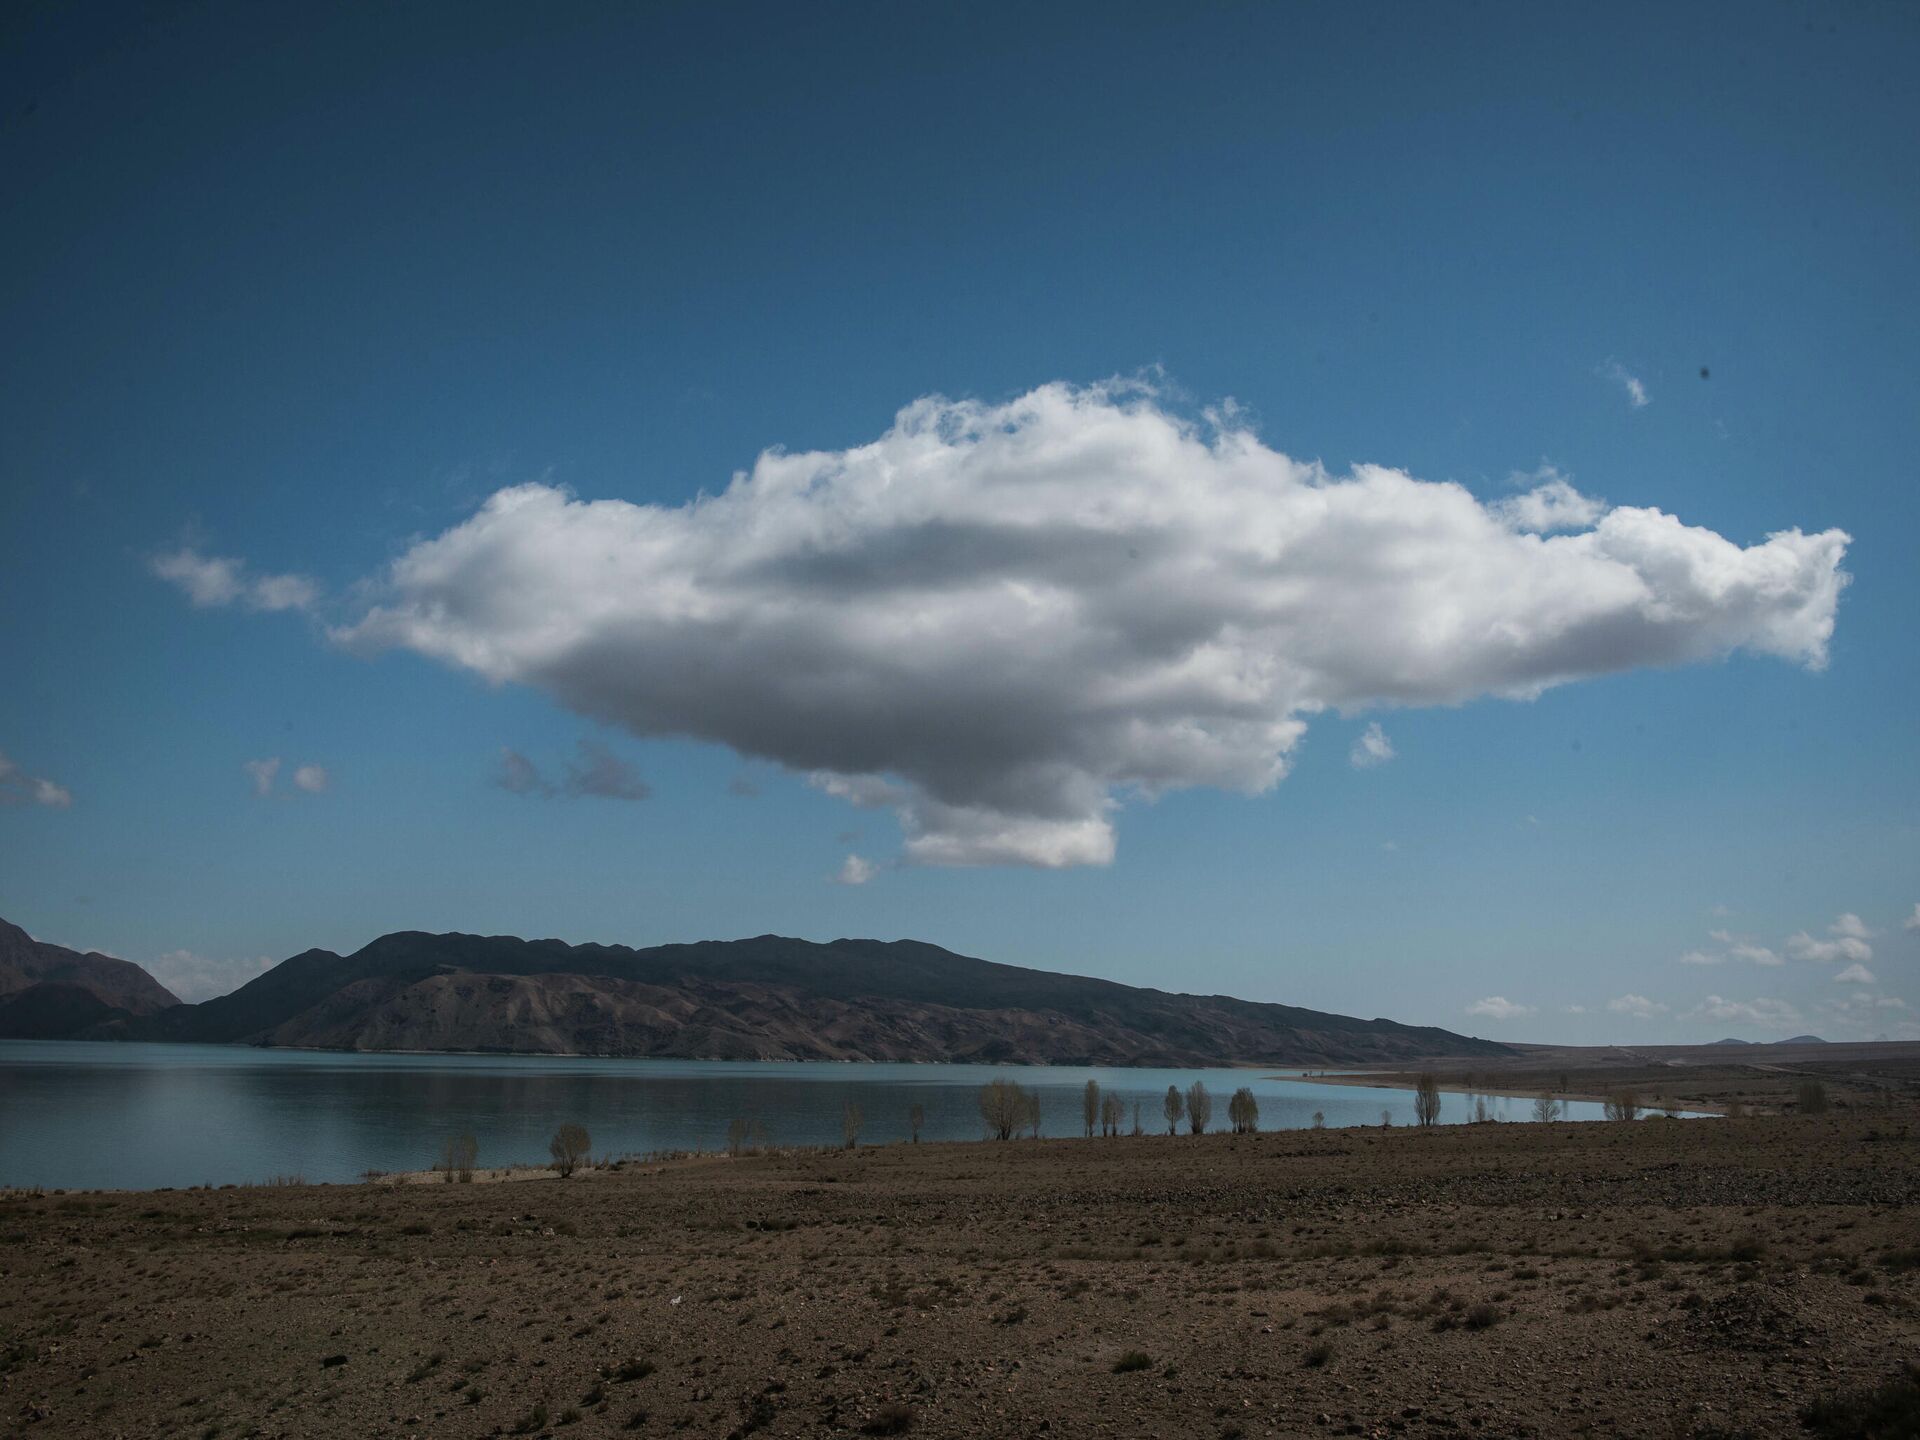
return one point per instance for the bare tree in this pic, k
(737, 1132)
(1386, 1119)
(1003, 1105)
(1136, 1119)
(1623, 1105)
(1173, 1107)
(1810, 1097)
(1545, 1108)
(1244, 1111)
(1090, 1106)
(1319, 1119)
(1112, 1111)
(457, 1157)
(850, 1122)
(1033, 1112)
(916, 1119)
(1480, 1109)
(569, 1148)
(1199, 1108)
(1426, 1100)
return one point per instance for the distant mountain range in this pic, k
(768, 998)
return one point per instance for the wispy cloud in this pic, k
(1854, 975)
(593, 771)
(215, 581)
(261, 773)
(1637, 1006)
(1371, 748)
(1768, 1014)
(1635, 390)
(264, 774)
(19, 788)
(1912, 922)
(1498, 1007)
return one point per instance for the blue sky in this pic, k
(300, 292)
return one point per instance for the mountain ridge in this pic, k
(768, 997)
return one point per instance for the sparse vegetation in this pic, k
(1199, 1108)
(1003, 1106)
(457, 1158)
(1545, 1108)
(1174, 1108)
(1113, 1112)
(1132, 1360)
(1426, 1100)
(1810, 1097)
(1623, 1104)
(569, 1147)
(851, 1119)
(1243, 1111)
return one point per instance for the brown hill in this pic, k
(48, 991)
(768, 998)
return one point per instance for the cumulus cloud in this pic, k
(261, 773)
(1912, 922)
(311, 778)
(1498, 1007)
(1702, 957)
(1638, 1006)
(1757, 954)
(856, 871)
(1851, 926)
(1552, 504)
(595, 770)
(1803, 946)
(1372, 748)
(1001, 620)
(212, 582)
(1765, 1013)
(1637, 395)
(1854, 975)
(197, 977)
(19, 788)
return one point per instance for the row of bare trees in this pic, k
(569, 1149)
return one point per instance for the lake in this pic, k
(99, 1115)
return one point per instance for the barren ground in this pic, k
(1668, 1278)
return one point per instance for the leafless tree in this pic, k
(737, 1131)
(1199, 1108)
(1810, 1097)
(850, 1122)
(1319, 1119)
(1386, 1119)
(1623, 1105)
(1113, 1110)
(1480, 1109)
(1173, 1107)
(458, 1156)
(916, 1119)
(1033, 1112)
(1090, 1106)
(1003, 1105)
(1247, 1120)
(569, 1147)
(1426, 1100)
(1136, 1119)
(1545, 1108)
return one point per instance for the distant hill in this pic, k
(49, 991)
(1802, 1040)
(1732, 1042)
(768, 998)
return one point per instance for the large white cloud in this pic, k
(999, 620)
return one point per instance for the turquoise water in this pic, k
(86, 1115)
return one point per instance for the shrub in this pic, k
(534, 1419)
(1133, 1360)
(1314, 1356)
(1481, 1316)
(893, 1418)
(1810, 1097)
(1886, 1412)
(1623, 1105)
(634, 1369)
(569, 1147)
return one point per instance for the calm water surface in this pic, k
(84, 1115)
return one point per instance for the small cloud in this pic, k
(212, 582)
(311, 778)
(1372, 748)
(1756, 954)
(1390, 845)
(1851, 926)
(19, 788)
(1719, 912)
(601, 773)
(1573, 1009)
(1638, 1006)
(1854, 975)
(1828, 952)
(1765, 1013)
(744, 786)
(597, 772)
(1498, 1007)
(1702, 957)
(518, 775)
(1637, 395)
(856, 871)
(262, 773)
(1889, 1002)
(1912, 922)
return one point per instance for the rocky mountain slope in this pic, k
(768, 998)
(49, 991)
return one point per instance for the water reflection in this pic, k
(84, 1115)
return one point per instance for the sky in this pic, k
(1401, 511)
